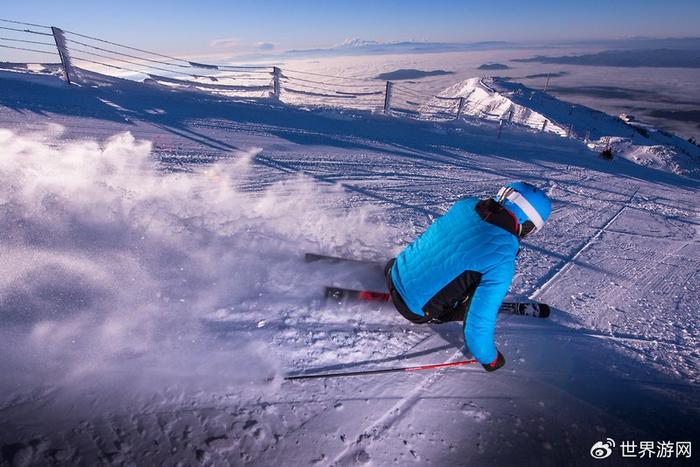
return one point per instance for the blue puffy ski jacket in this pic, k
(463, 253)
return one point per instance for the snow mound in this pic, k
(507, 102)
(483, 101)
(658, 156)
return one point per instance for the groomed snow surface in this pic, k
(154, 292)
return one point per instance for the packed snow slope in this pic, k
(154, 292)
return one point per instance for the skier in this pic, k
(460, 269)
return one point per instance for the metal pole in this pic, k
(544, 125)
(547, 83)
(385, 370)
(387, 97)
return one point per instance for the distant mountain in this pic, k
(636, 43)
(557, 74)
(358, 46)
(493, 66)
(410, 73)
(658, 58)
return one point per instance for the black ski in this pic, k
(535, 309)
(313, 257)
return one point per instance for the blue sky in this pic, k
(204, 26)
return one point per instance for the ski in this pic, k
(535, 309)
(314, 257)
(339, 294)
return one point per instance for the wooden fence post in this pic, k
(460, 109)
(544, 125)
(60, 40)
(276, 74)
(387, 97)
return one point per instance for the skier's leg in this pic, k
(387, 268)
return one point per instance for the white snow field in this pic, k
(154, 294)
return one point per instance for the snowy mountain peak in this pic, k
(354, 42)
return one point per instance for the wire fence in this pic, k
(99, 55)
(79, 54)
(83, 57)
(321, 89)
(35, 39)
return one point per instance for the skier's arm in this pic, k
(483, 310)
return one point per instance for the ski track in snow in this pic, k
(567, 264)
(619, 263)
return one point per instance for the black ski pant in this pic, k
(457, 312)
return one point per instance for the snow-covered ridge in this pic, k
(501, 100)
(483, 100)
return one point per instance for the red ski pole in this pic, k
(384, 370)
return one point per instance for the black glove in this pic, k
(496, 364)
(456, 311)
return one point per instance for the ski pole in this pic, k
(384, 370)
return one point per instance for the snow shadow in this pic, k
(553, 370)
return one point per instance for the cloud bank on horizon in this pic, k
(633, 49)
(311, 25)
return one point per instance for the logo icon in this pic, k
(601, 450)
